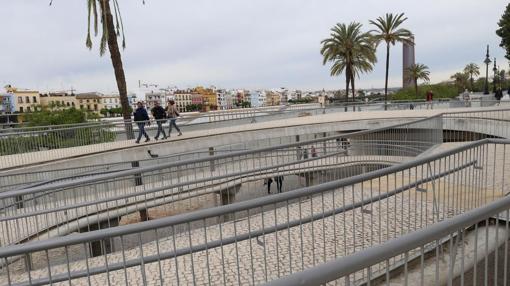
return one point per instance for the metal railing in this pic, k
(83, 200)
(427, 210)
(39, 138)
(458, 126)
(275, 236)
(23, 178)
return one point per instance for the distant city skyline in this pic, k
(235, 44)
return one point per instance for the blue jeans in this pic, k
(172, 123)
(141, 131)
(160, 129)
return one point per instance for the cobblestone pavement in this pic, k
(255, 260)
(275, 254)
(17, 229)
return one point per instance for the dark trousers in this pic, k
(160, 129)
(172, 123)
(269, 186)
(279, 184)
(141, 131)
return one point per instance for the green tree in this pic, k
(460, 80)
(473, 70)
(417, 72)
(504, 31)
(104, 112)
(52, 116)
(440, 90)
(193, 107)
(57, 136)
(351, 52)
(389, 31)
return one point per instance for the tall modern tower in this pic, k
(408, 60)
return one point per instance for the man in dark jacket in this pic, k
(141, 118)
(159, 114)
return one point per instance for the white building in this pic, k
(284, 95)
(225, 99)
(257, 98)
(110, 101)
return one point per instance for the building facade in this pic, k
(58, 99)
(272, 98)
(111, 101)
(155, 96)
(24, 100)
(209, 98)
(7, 105)
(182, 99)
(90, 101)
(257, 98)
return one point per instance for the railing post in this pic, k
(211, 163)
(144, 214)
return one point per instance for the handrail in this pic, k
(332, 270)
(121, 121)
(202, 214)
(211, 158)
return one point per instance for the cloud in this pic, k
(234, 43)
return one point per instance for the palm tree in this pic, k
(351, 51)
(417, 72)
(460, 80)
(473, 70)
(388, 31)
(110, 31)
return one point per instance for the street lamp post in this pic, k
(495, 70)
(487, 62)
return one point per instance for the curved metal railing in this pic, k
(262, 239)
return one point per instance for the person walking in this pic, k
(268, 182)
(172, 114)
(499, 95)
(159, 114)
(279, 183)
(313, 151)
(141, 118)
(430, 98)
(466, 97)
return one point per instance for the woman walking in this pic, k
(141, 118)
(172, 114)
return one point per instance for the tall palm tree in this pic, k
(417, 72)
(350, 50)
(389, 31)
(110, 31)
(473, 70)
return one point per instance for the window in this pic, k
(34, 99)
(88, 101)
(27, 99)
(20, 100)
(95, 107)
(28, 109)
(81, 106)
(68, 104)
(21, 109)
(72, 103)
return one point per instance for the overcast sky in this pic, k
(233, 43)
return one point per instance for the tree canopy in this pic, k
(504, 31)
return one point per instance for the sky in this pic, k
(253, 44)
